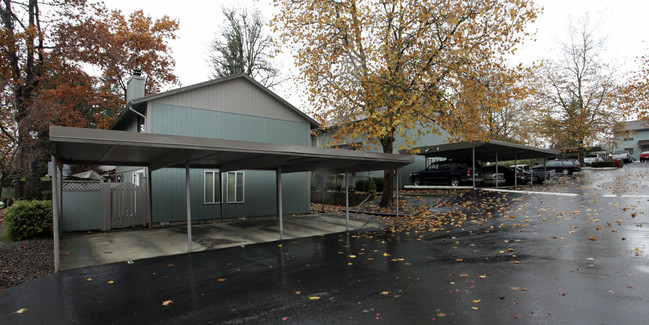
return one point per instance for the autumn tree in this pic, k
(45, 54)
(577, 94)
(243, 47)
(494, 99)
(633, 96)
(383, 68)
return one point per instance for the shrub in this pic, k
(29, 219)
(608, 163)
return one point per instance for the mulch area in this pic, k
(25, 260)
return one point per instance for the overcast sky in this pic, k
(622, 22)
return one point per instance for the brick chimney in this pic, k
(135, 86)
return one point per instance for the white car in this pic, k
(590, 159)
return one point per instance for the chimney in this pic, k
(135, 86)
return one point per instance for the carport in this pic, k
(156, 151)
(490, 151)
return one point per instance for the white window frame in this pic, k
(243, 185)
(215, 181)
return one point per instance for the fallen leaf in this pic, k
(111, 282)
(477, 301)
(167, 302)
(592, 238)
(314, 298)
(298, 292)
(221, 279)
(89, 279)
(21, 310)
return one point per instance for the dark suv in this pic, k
(445, 172)
(563, 166)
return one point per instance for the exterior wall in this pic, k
(324, 139)
(233, 110)
(186, 121)
(631, 142)
(635, 139)
(237, 96)
(259, 195)
(81, 210)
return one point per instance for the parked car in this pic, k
(622, 154)
(592, 158)
(491, 178)
(644, 156)
(537, 174)
(509, 174)
(453, 173)
(563, 166)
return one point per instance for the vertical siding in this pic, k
(260, 196)
(237, 96)
(81, 210)
(186, 121)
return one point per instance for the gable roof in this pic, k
(140, 103)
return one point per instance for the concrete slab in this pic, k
(88, 249)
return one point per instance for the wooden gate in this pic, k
(123, 205)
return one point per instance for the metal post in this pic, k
(516, 171)
(346, 201)
(531, 173)
(473, 173)
(497, 170)
(55, 213)
(279, 202)
(324, 183)
(221, 195)
(189, 208)
(149, 197)
(396, 183)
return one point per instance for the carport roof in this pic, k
(124, 148)
(485, 151)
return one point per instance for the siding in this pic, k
(259, 198)
(237, 96)
(187, 121)
(81, 210)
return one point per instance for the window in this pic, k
(212, 189)
(235, 187)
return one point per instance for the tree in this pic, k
(383, 68)
(633, 98)
(243, 47)
(577, 94)
(43, 57)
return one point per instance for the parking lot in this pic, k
(573, 250)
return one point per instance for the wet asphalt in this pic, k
(573, 251)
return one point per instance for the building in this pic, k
(635, 138)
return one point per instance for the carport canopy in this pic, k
(156, 151)
(492, 150)
(124, 148)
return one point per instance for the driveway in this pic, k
(87, 249)
(572, 252)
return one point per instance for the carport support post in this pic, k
(396, 183)
(189, 208)
(221, 195)
(55, 212)
(497, 170)
(531, 173)
(516, 171)
(346, 201)
(279, 202)
(322, 191)
(473, 172)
